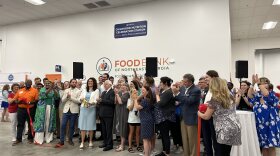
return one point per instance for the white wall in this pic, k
(195, 33)
(245, 50)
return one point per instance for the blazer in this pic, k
(73, 102)
(107, 104)
(93, 97)
(167, 103)
(189, 103)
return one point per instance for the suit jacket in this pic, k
(73, 102)
(167, 103)
(107, 104)
(190, 102)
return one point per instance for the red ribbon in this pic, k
(31, 122)
(198, 135)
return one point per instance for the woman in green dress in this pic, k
(45, 117)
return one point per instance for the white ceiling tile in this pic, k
(264, 2)
(248, 12)
(273, 17)
(258, 19)
(241, 28)
(243, 21)
(234, 4)
(247, 3)
(252, 36)
(262, 11)
(234, 13)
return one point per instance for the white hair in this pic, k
(108, 82)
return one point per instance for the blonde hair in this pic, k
(220, 93)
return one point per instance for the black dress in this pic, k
(147, 120)
(243, 105)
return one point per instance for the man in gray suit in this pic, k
(189, 97)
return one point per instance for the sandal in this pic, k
(120, 149)
(139, 149)
(117, 146)
(130, 150)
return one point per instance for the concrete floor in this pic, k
(23, 149)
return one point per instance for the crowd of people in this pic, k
(139, 111)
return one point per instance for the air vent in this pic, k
(90, 5)
(102, 3)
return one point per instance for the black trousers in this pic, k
(107, 131)
(22, 117)
(209, 137)
(176, 132)
(224, 150)
(164, 128)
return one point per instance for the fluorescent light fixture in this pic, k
(276, 2)
(269, 25)
(36, 2)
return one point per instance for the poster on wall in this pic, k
(9, 78)
(54, 77)
(131, 29)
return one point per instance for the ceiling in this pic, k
(246, 16)
(15, 11)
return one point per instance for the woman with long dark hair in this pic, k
(133, 117)
(145, 106)
(241, 99)
(165, 113)
(87, 118)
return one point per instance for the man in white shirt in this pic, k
(70, 111)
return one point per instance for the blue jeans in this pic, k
(68, 116)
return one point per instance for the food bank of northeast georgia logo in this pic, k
(103, 65)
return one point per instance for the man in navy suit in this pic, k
(106, 114)
(189, 97)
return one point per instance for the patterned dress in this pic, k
(40, 116)
(147, 120)
(226, 123)
(267, 119)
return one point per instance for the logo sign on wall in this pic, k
(132, 29)
(103, 65)
(122, 66)
(11, 77)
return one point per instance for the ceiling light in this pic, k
(36, 2)
(269, 25)
(276, 2)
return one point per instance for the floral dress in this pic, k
(267, 119)
(226, 123)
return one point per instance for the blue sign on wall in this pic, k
(11, 77)
(131, 29)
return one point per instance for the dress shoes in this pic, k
(107, 148)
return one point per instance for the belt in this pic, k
(25, 106)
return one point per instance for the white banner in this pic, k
(9, 78)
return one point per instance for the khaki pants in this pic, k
(189, 137)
